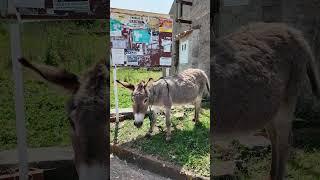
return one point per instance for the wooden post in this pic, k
(116, 104)
(19, 100)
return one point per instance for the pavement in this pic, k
(57, 156)
(125, 171)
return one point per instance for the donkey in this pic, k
(87, 112)
(184, 88)
(257, 71)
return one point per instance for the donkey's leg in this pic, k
(275, 156)
(279, 132)
(197, 106)
(168, 124)
(153, 121)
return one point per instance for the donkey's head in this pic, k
(86, 113)
(140, 99)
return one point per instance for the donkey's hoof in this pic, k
(148, 135)
(168, 138)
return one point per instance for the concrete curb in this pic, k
(154, 165)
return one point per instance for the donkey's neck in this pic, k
(157, 91)
(152, 95)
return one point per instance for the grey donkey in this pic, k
(257, 73)
(87, 112)
(185, 88)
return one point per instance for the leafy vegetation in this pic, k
(68, 44)
(189, 146)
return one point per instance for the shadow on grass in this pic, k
(187, 148)
(302, 168)
(306, 138)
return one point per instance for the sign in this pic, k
(69, 5)
(30, 3)
(117, 56)
(115, 27)
(55, 9)
(165, 61)
(165, 25)
(235, 2)
(119, 44)
(133, 60)
(141, 36)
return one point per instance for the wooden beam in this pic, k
(183, 21)
(188, 3)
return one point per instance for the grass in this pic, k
(303, 163)
(50, 43)
(189, 146)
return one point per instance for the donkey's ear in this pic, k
(149, 81)
(126, 85)
(60, 77)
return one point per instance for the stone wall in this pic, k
(199, 14)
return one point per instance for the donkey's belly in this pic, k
(245, 102)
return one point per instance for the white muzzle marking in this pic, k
(138, 117)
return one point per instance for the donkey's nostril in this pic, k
(138, 124)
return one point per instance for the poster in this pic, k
(30, 3)
(119, 44)
(55, 9)
(71, 5)
(141, 36)
(115, 27)
(117, 56)
(132, 60)
(165, 61)
(166, 45)
(165, 25)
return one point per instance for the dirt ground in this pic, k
(125, 171)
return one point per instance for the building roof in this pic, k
(138, 13)
(172, 8)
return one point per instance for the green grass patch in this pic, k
(189, 146)
(53, 43)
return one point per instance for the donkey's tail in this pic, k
(312, 68)
(207, 82)
(313, 74)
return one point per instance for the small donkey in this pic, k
(184, 88)
(257, 71)
(87, 112)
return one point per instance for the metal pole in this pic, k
(19, 100)
(116, 104)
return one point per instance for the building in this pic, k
(191, 35)
(141, 39)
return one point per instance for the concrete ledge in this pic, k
(154, 165)
(56, 162)
(127, 113)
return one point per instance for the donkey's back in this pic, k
(184, 87)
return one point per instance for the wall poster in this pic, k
(145, 40)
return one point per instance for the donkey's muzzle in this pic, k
(137, 124)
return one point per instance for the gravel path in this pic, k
(125, 171)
